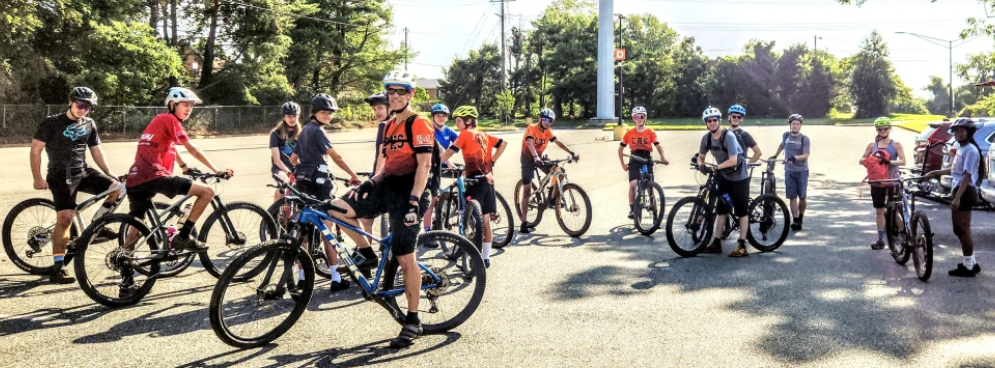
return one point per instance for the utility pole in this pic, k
(405, 48)
(815, 43)
(504, 57)
(949, 44)
(621, 107)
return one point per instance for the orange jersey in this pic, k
(640, 141)
(398, 150)
(477, 148)
(540, 138)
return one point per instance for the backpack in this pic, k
(877, 169)
(722, 145)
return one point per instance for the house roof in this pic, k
(428, 83)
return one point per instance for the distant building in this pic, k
(193, 62)
(431, 86)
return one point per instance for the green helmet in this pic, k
(882, 121)
(465, 112)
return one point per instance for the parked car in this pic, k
(987, 190)
(985, 136)
(932, 140)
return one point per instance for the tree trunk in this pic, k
(208, 63)
(165, 22)
(172, 10)
(154, 14)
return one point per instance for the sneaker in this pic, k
(368, 263)
(796, 225)
(106, 233)
(409, 332)
(740, 251)
(631, 215)
(189, 244)
(339, 286)
(127, 291)
(878, 245)
(430, 243)
(487, 263)
(524, 229)
(962, 271)
(714, 247)
(61, 277)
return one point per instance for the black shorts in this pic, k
(140, 196)
(881, 194)
(320, 191)
(740, 193)
(483, 193)
(391, 197)
(65, 183)
(635, 166)
(529, 168)
(968, 199)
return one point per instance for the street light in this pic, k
(620, 95)
(950, 48)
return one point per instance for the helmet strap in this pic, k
(71, 111)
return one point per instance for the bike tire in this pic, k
(91, 263)
(17, 252)
(472, 225)
(768, 220)
(168, 268)
(280, 211)
(649, 199)
(503, 227)
(270, 255)
(688, 232)
(895, 230)
(922, 245)
(213, 261)
(469, 281)
(536, 206)
(567, 203)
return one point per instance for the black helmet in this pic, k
(323, 102)
(291, 108)
(379, 98)
(965, 123)
(83, 94)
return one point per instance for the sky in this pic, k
(443, 29)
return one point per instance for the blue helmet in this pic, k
(440, 109)
(291, 108)
(547, 113)
(737, 109)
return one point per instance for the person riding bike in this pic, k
(881, 192)
(381, 112)
(65, 137)
(642, 141)
(400, 190)
(444, 136)
(796, 148)
(312, 175)
(282, 140)
(733, 179)
(478, 154)
(736, 115)
(537, 136)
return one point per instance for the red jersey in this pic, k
(156, 150)
(640, 141)
(400, 156)
(477, 148)
(540, 138)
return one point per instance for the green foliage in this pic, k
(505, 103)
(872, 81)
(940, 101)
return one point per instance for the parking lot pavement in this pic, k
(610, 297)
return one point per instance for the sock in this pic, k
(969, 262)
(632, 207)
(335, 273)
(880, 234)
(103, 210)
(428, 228)
(368, 253)
(186, 229)
(59, 259)
(798, 220)
(412, 319)
(741, 242)
(486, 252)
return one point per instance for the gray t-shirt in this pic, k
(721, 155)
(312, 145)
(966, 161)
(795, 146)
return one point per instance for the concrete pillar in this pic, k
(606, 61)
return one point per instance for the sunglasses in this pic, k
(397, 92)
(638, 117)
(883, 129)
(737, 117)
(546, 120)
(713, 120)
(83, 106)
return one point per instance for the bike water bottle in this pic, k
(171, 232)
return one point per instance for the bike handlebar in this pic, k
(643, 159)
(203, 177)
(309, 200)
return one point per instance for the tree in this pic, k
(474, 80)
(504, 104)
(871, 82)
(940, 102)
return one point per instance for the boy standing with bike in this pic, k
(642, 141)
(733, 179)
(796, 150)
(537, 136)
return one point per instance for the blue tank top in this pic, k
(893, 153)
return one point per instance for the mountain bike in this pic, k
(554, 191)
(649, 203)
(768, 185)
(250, 312)
(448, 212)
(908, 230)
(691, 220)
(121, 273)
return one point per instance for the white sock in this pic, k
(300, 275)
(487, 251)
(335, 273)
(101, 211)
(969, 262)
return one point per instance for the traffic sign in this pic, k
(619, 54)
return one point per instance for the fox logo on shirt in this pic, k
(74, 131)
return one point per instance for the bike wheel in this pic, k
(261, 309)
(922, 245)
(116, 275)
(27, 235)
(316, 248)
(896, 234)
(502, 225)
(280, 211)
(251, 225)
(174, 265)
(472, 225)
(649, 208)
(573, 210)
(769, 223)
(535, 204)
(457, 294)
(689, 226)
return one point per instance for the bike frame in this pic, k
(554, 171)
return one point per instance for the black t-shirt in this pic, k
(376, 158)
(66, 141)
(747, 139)
(312, 145)
(286, 149)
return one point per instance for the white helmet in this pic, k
(399, 78)
(180, 94)
(639, 110)
(711, 112)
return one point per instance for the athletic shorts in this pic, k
(635, 166)
(529, 168)
(881, 194)
(483, 193)
(740, 193)
(140, 196)
(391, 197)
(968, 199)
(796, 184)
(312, 188)
(64, 184)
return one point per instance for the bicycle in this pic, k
(691, 220)
(135, 261)
(453, 214)
(649, 198)
(908, 230)
(283, 299)
(768, 185)
(547, 193)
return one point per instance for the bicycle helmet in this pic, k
(291, 108)
(379, 98)
(639, 110)
(465, 112)
(882, 121)
(399, 78)
(548, 114)
(963, 123)
(711, 112)
(180, 94)
(794, 117)
(737, 109)
(323, 102)
(83, 94)
(439, 109)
